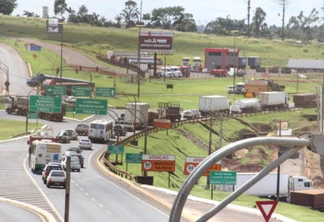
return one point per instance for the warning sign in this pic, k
(162, 123)
(192, 162)
(158, 162)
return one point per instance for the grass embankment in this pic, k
(11, 128)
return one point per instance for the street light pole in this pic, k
(139, 62)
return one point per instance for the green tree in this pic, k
(225, 26)
(187, 23)
(130, 13)
(258, 20)
(147, 17)
(167, 17)
(7, 6)
(82, 14)
(60, 7)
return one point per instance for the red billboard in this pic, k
(156, 41)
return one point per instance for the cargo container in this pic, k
(310, 198)
(273, 100)
(242, 61)
(212, 104)
(267, 186)
(254, 62)
(305, 100)
(136, 114)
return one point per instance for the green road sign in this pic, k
(32, 115)
(133, 158)
(105, 92)
(49, 104)
(115, 149)
(91, 106)
(55, 90)
(69, 109)
(81, 91)
(223, 177)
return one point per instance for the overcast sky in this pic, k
(202, 10)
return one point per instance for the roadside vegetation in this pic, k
(186, 91)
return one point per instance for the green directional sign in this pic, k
(91, 106)
(49, 104)
(115, 149)
(81, 91)
(105, 92)
(32, 115)
(52, 90)
(222, 177)
(133, 158)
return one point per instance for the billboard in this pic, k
(156, 41)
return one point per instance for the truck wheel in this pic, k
(9, 111)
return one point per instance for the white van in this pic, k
(167, 72)
(176, 71)
(41, 152)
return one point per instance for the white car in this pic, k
(56, 178)
(176, 71)
(191, 114)
(69, 99)
(167, 72)
(75, 163)
(85, 144)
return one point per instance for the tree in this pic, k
(248, 18)
(147, 17)
(258, 20)
(224, 26)
(60, 7)
(130, 13)
(7, 6)
(283, 4)
(167, 17)
(187, 23)
(82, 14)
(30, 14)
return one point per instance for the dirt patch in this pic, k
(315, 168)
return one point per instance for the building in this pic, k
(221, 58)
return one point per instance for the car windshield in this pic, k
(58, 174)
(85, 141)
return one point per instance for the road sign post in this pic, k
(105, 92)
(91, 106)
(81, 91)
(133, 158)
(49, 104)
(115, 150)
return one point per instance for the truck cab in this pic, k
(299, 183)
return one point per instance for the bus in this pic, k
(100, 130)
(42, 152)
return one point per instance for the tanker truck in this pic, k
(246, 106)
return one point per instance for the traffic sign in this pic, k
(133, 157)
(105, 92)
(81, 91)
(222, 177)
(49, 104)
(192, 162)
(52, 90)
(32, 115)
(91, 106)
(115, 149)
(266, 208)
(158, 162)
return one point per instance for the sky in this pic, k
(203, 11)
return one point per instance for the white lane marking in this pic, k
(48, 201)
(122, 188)
(86, 193)
(77, 185)
(100, 205)
(93, 199)
(109, 212)
(81, 189)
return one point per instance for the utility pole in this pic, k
(209, 145)
(220, 130)
(283, 20)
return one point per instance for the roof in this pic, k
(305, 64)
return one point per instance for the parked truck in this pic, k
(267, 186)
(246, 106)
(169, 110)
(253, 87)
(273, 100)
(19, 106)
(136, 114)
(305, 100)
(212, 104)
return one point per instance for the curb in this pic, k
(139, 189)
(44, 215)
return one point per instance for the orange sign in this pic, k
(162, 123)
(158, 162)
(192, 162)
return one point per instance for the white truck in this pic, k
(136, 114)
(246, 106)
(273, 100)
(185, 61)
(197, 64)
(212, 104)
(267, 186)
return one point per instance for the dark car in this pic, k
(47, 169)
(62, 137)
(82, 129)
